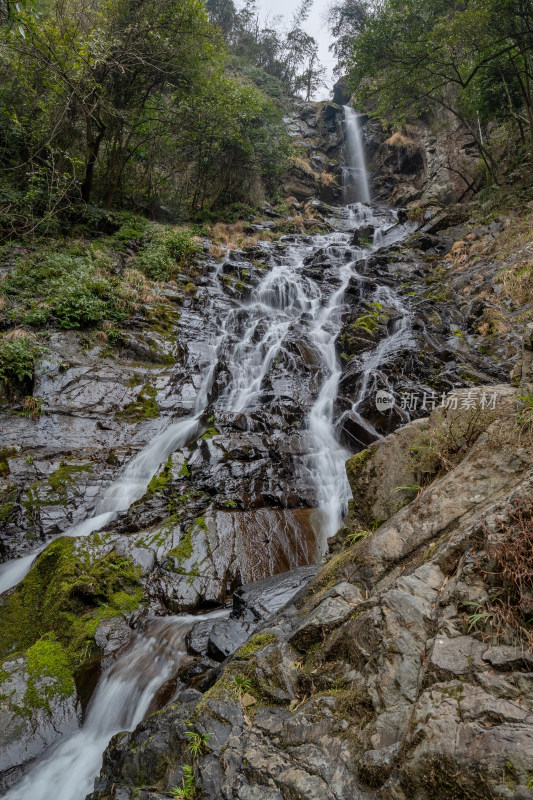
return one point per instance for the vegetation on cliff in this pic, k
(51, 617)
(470, 60)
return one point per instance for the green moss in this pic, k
(209, 433)
(145, 407)
(163, 319)
(161, 481)
(65, 595)
(184, 549)
(200, 523)
(254, 644)
(5, 454)
(373, 317)
(328, 575)
(355, 464)
(46, 659)
(65, 475)
(7, 500)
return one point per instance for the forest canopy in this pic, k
(144, 104)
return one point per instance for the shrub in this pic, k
(441, 448)
(19, 352)
(169, 251)
(74, 289)
(507, 566)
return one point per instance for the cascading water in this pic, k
(253, 336)
(354, 172)
(121, 700)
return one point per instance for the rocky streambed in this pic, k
(207, 456)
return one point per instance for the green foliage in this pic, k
(358, 536)
(197, 742)
(183, 131)
(187, 790)
(415, 56)
(241, 685)
(18, 357)
(168, 252)
(73, 288)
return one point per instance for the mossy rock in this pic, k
(52, 615)
(144, 407)
(354, 467)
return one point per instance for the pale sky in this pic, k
(315, 25)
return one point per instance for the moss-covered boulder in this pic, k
(48, 626)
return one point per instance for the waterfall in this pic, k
(121, 700)
(354, 172)
(254, 336)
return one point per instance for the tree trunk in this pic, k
(93, 149)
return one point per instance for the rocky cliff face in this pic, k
(431, 163)
(404, 669)
(317, 132)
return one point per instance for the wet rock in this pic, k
(35, 712)
(198, 637)
(362, 233)
(225, 637)
(447, 219)
(260, 600)
(427, 701)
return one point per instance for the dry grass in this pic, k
(459, 252)
(492, 323)
(303, 165)
(233, 237)
(514, 246)
(17, 334)
(518, 282)
(327, 179)
(32, 407)
(399, 140)
(507, 567)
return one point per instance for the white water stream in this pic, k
(121, 700)
(251, 336)
(354, 172)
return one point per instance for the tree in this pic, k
(413, 56)
(345, 19)
(223, 14)
(112, 74)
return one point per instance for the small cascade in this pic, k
(121, 700)
(354, 172)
